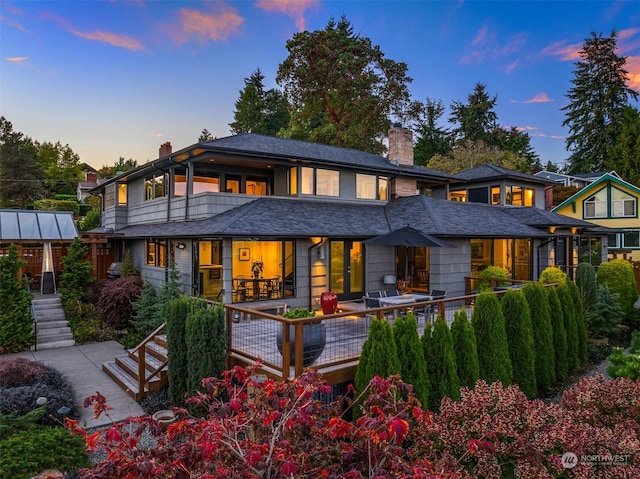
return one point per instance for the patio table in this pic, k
(403, 299)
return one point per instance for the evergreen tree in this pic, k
(379, 357)
(145, 317)
(570, 326)
(559, 334)
(15, 305)
(205, 136)
(206, 341)
(441, 365)
(519, 330)
(580, 322)
(587, 284)
(177, 312)
(542, 334)
(259, 111)
(76, 273)
(432, 139)
(413, 367)
(20, 174)
(465, 348)
(342, 88)
(477, 118)
(491, 338)
(624, 154)
(596, 102)
(618, 275)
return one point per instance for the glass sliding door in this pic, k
(346, 273)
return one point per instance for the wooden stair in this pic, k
(124, 370)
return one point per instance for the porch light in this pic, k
(552, 229)
(181, 245)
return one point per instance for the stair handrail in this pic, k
(141, 349)
(35, 326)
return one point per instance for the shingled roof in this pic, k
(490, 171)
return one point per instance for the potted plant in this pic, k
(315, 337)
(257, 268)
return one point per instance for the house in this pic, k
(90, 181)
(609, 202)
(256, 219)
(578, 180)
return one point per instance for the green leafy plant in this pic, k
(413, 367)
(623, 365)
(299, 313)
(15, 305)
(86, 323)
(587, 283)
(441, 364)
(603, 318)
(580, 321)
(492, 273)
(618, 276)
(542, 334)
(76, 273)
(570, 327)
(553, 275)
(559, 335)
(465, 348)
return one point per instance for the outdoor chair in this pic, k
(423, 278)
(374, 294)
(390, 292)
(374, 302)
(432, 310)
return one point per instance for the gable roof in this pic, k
(489, 171)
(595, 186)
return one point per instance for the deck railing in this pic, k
(141, 352)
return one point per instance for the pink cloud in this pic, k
(539, 98)
(480, 36)
(204, 26)
(512, 66)
(565, 52)
(293, 8)
(14, 24)
(114, 39)
(633, 68)
(17, 59)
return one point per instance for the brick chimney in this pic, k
(165, 149)
(400, 145)
(91, 177)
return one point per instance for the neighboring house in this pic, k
(578, 180)
(256, 218)
(612, 203)
(91, 181)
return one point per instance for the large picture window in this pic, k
(156, 253)
(316, 181)
(596, 205)
(520, 196)
(371, 187)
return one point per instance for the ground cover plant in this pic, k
(261, 428)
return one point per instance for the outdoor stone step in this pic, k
(63, 343)
(52, 324)
(54, 334)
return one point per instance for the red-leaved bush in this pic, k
(262, 428)
(117, 298)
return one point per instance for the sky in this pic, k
(118, 78)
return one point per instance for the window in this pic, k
(206, 184)
(458, 196)
(520, 196)
(495, 195)
(180, 184)
(122, 194)
(371, 187)
(316, 181)
(232, 184)
(631, 239)
(157, 253)
(596, 205)
(622, 204)
(613, 241)
(293, 180)
(155, 186)
(257, 187)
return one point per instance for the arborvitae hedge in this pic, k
(559, 335)
(519, 329)
(441, 365)
(177, 312)
(15, 305)
(465, 348)
(570, 327)
(379, 357)
(587, 284)
(542, 334)
(580, 322)
(413, 367)
(491, 339)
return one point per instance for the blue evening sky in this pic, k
(119, 78)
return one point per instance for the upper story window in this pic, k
(317, 181)
(206, 184)
(155, 186)
(371, 187)
(257, 187)
(122, 194)
(520, 196)
(495, 195)
(458, 196)
(596, 205)
(622, 204)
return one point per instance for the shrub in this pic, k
(618, 276)
(413, 367)
(441, 365)
(559, 335)
(570, 327)
(491, 338)
(16, 371)
(86, 323)
(91, 219)
(156, 401)
(206, 340)
(623, 365)
(176, 314)
(57, 205)
(128, 268)
(519, 331)
(599, 352)
(27, 453)
(379, 357)
(603, 318)
(587, 283)
(465, 348)
(553, 275)
(76, 273)
(116, 300)
(15, 305)
(580, 324)
(542, 334)
(147, 317)
(489, 273)
(131, 339)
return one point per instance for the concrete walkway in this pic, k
(82, 365)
